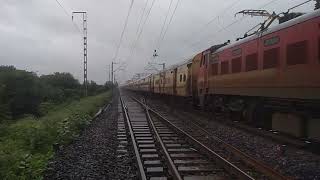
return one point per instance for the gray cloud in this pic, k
(37, 35)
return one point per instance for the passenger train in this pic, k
(270, 79)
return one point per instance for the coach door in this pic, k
(189, 79)
(175, 81)
(206, 63)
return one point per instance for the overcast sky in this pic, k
(37, 35)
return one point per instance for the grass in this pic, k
(27, 145)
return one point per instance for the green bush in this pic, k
(23, 92)
(27, 144)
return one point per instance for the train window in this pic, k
(272, 41)
(184, 78)
(180, 77)
(200, 62)
(215, 67)
(297, 53)
(236, 65)
(225, 67)
(271, 58)
(252, 62)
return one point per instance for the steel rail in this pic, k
(219, 159)
(136, 150)
(261, 167)
(175, 173)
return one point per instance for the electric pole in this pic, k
(163, 66)
(109, 72)
(85, 49)
(112, 76)
(112, 72)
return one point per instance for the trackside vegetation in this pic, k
(27, 144)
(39, 114)
(23, 92)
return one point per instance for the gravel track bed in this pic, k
(293, 162)
(94, 154)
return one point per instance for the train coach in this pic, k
(270, 79)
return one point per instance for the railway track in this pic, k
(248, 164)
(164, 151)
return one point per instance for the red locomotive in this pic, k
(271, 79)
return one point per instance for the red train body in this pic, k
(277, 70)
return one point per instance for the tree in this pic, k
(59, 86)
(61, 80)
(317, 6)
(20, 91)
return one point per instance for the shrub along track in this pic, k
(95, 154)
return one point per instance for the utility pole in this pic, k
(112, 76)
(85, 49)
(109, 72)
(112, 72)
(155, 54)
(163, 66)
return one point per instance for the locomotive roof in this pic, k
(176, 65)
(284, 25)
(180, 64)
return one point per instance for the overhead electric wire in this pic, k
(142, 14)
(68, 15)
(164, 23)
(216, 17)
(166, 30)
(305, 2)
(141, 30)
(123, 30)
(224, 28)
(145, 21)
(64, 10)
(138, 28)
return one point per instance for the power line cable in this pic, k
(224, 28)
(141, 17)
(216, 17)
(139, 25)
(145, 21)
(141, 30)
(174, 11)
(68, 15)
(123, 30)
(164, 23)
(64, 10)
